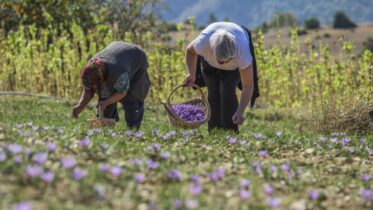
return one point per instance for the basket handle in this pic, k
(179, 86)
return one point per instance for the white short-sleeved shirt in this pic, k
(243, 56)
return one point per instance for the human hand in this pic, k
(76, 110)
(101, 106)
(189, 81)
(238, 117)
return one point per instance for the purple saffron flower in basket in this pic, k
(189, 113)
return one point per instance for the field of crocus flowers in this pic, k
(49, 161)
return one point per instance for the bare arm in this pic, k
(191, 62)
(246, 94)
(113, 99)
(85, 98)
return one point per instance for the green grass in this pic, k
(326, 167)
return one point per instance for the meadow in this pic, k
(49, 161)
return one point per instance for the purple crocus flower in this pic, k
(367, 194)
(152, 206)
(177, 204)
(278, 133)
(116, 171)
(33, 170)
(263, 153)
(14, 148)
(217, 175)
(369, 150)
(156, 147)
(78, 174)
(244, 194)
(47, 176)
(245, 183)
(28, 152)
(195, 179)
(365, 177)
(85, 142)
(243, 142)
(195, 189)
(165, 155)
(285, 167)
(313, 195)
(268, 189)
(51, 146)
(128, 133)
(259, 136)
(291, 175)
(104, 167)
(333, 140)
(2, 156)
(345, 141)
(273, 202)
(174, 174)
(68, 162)
(152, 164)
(273, 169)
(40, 158)
(323, 139)
(232, 140)
(17, 159)
(139, 134)
(139, 178)
(191, 204)
(22, 206)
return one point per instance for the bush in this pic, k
(341, 20)
(327, 35)
(312, 23)
(369, 44)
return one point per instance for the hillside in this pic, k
(253, 13)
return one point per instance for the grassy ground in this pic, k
(273, 163)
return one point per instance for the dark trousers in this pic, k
(133, 111)
(221, 86)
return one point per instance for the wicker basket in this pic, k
(201, 102)
(101, 121)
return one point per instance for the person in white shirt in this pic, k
(226, 62)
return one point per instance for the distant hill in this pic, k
(254, 12)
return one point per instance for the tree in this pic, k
(283, 20)
(341, 20)
(212, 18)
(312, 23)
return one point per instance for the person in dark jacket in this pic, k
(117, 74)
(226, 61)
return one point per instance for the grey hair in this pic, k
(223, 45)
